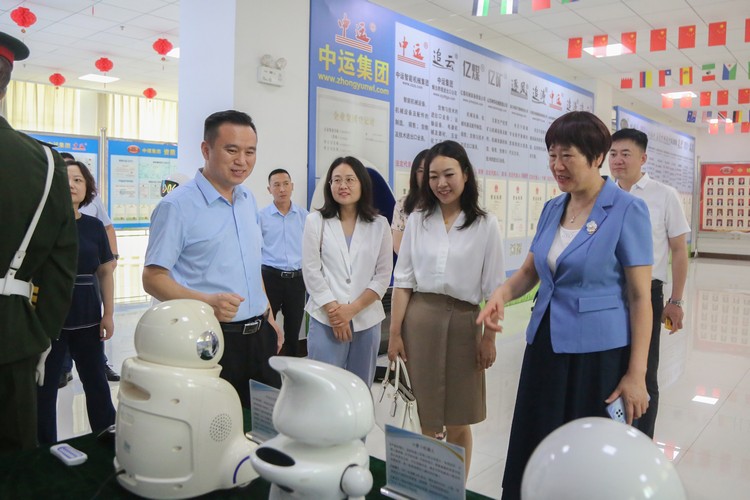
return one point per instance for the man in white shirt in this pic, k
(669, 230)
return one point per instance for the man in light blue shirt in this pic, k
(205, 244)
(282, 223)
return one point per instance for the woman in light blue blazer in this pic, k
(347, 260)
(588, 337)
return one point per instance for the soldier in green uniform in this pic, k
(29, 320)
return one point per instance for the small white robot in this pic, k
(323, 413)
(179, 429)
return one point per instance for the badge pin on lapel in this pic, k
(591, 227)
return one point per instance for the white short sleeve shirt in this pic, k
(96, 209)
(667, 219)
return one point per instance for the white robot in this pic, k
(322, 415)
(593, 458)
(179, 429)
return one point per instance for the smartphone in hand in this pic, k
(616, 411)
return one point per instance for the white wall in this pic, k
(722, 147)
(281, 29)
(223, 75)
(206, 82)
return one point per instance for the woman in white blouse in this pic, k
(451, 259)
(347, 260)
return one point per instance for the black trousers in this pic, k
(647, 422)
(246, 357)
(553, 390)
(87, 350)
(18, 404)
(288, 296)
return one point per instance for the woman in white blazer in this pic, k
(347, 260)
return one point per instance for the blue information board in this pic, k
(84, 149)
(136, 170)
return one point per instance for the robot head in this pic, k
(590, 458)
(321, 404)
(183, 333)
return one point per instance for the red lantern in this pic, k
(23, 17)
(149, 93)
(56, 79)
(162, 46)
(103, 64)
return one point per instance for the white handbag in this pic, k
(394, 402)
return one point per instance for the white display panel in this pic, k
(351, 125)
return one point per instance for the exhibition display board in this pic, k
(135, 170)
(83, 148)
(725, 197)
(383, 87)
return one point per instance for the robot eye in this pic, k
(207, 345)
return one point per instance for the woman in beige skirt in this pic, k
(451, 259)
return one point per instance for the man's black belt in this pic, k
(282, 273)
(245, 327)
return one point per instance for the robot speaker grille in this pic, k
(220, 427)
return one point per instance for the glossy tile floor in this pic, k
(704, 418)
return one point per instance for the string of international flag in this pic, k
(726, 118)
(705, 98)
(685, 76)
(686, 39)
(509, 7)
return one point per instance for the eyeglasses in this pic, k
(349, 181)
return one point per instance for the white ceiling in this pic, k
(70, 35)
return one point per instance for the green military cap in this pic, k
(12, 49)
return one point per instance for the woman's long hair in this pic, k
(469, 200)
(365, 209)
(412, 197)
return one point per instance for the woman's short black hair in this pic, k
(583, 130)
(469, 198)
(412, 197)
(365, 209)
(90, 182)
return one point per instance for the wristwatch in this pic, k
(678, 303)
